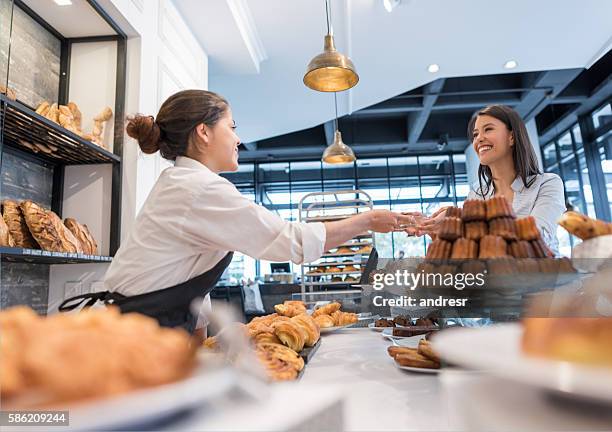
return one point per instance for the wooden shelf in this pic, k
(37, 256)
(22, 124)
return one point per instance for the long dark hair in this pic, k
(523, 154)
(172, 130)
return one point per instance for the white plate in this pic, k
(333, 329)
(144, 407)
(497, 350)
(417, 370)
(388, 332)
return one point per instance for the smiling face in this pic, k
(221, 150)
(492, 140)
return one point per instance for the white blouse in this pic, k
(544, 200)
(191, 220)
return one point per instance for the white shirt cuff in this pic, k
(314, 236)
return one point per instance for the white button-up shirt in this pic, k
(544, 200)
(191, 220)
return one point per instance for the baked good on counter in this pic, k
(384, 323)
(474, 210)
(60, 358)
(324, 321)
(504, 227)
(290, 309)
(309, 327)
(475, 230)
(526, 228)
(48, 230)
(492, 247)
(17, 226)
(281, 363)
(583, 226)
(464, 249)
(453, 212)
(521, 249)
(402, 320)
(579, 340)
(6, 239)
(327, 309)
(498, 207)
(289, 333)
(344, 318)
(438, 249)
(450, 228)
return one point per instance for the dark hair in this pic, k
(523, 154)
(176, 120)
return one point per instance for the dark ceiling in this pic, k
(418, 121)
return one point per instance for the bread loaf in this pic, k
(82, 235)
(48, 229)
(17, 225)
(5, 236)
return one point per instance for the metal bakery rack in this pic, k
(340, 267)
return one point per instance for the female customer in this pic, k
(193, 219)
(509, 167)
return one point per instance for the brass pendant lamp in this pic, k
(338, 152)
(330, 71)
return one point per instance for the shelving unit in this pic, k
(334, 206)
(20, 255)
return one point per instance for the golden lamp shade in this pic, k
(330, 71)
(338, 152)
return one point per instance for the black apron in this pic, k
(169, 306)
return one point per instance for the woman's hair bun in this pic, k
(146, 131)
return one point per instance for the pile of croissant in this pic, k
(70, 117)
(330, 315)
(31, 226)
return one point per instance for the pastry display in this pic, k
(503, 227)
(453, 212)
(384, 323)
(344, 251)
(439, 249)
(402, 320)
(281, 363)
(333, 269)
(583, 226)
(17, 226)
(344, 318)
(337, 279)
(351, 279)
(526, 228)
(497, 207)
(572, 339)
(502, 266)
(521, 249)
(474, 210)
(492, 247)
(109, 353)
(324, 321)
(540, 250)
(464, 249)
(290, 309)
(309, 327)
(289, 333)
(475, 230)
(327, 309)
(527, 265)
(364, 249)
(450, 228)
(351, 268)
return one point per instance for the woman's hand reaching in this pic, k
(427, 225)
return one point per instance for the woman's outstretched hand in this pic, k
(427, 225)
(384, 221)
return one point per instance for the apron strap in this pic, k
(90, 299)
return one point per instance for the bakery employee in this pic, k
(193, 219)
(509, 167)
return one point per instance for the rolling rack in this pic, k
(341, 267)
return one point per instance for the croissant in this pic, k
(310, 328)
(289, 310)
(266, 319)
(265, 337)
(324, 321)
(289, 334)
(18, 228)
(328, 309)
(284, 354)
(295, 303)
(344, 318)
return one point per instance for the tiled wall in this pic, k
(34, 75)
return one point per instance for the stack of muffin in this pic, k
(489, 230)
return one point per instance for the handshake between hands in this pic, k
(413, 223)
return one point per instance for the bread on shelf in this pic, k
(18, 228)
(366, 249)
(82, 234)
(6, 239)
(48, 230)
(344, 250)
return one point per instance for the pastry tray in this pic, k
(308, 352)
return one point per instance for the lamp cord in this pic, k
(336, 107)
(328, 16)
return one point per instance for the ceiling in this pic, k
(258, 50)
(61, 18)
